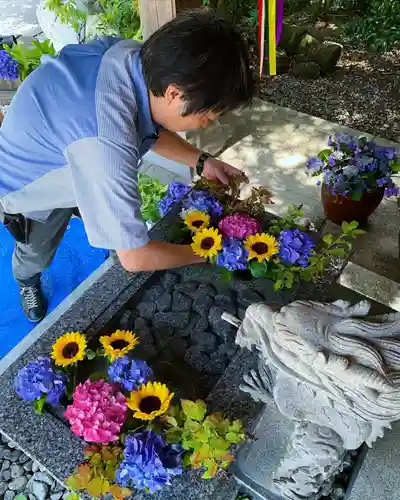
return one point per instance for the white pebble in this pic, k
(44, 478)
(35, 466)
(40, 490)
(9, 495)
(56, 496)
(18, 484)
(16, 471)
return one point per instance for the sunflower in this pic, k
(150, 401)
(118, 344)
(207, 242)
(69, 349)
(197, 220)
(261, 246)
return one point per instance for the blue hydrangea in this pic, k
(130, 374)
(38, 378)
(149, 463)
(203, 201)
(176, 191)
(295, 247)
(8, 66)
(233, 255)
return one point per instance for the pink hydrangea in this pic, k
(98, 412)
(239, 226)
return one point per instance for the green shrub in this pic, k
(378, 28)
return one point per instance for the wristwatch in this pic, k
(200, 163)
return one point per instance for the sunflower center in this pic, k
(150, 404)
(70, 350)
(207, 243)
(260, 248)
(119, 344)
(197, 223)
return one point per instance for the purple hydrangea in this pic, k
(392, 190)
(130, 373)
(233, 255)
(295, 247)
(315, 165)
(38, 378)
(8, 66)
(203, 201)
(149, 463)
(355, 165)
(176, 191)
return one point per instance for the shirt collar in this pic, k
(148, 129)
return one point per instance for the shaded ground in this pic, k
(363, 93)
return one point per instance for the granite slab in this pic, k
(50, 441)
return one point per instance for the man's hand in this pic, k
(218, 170)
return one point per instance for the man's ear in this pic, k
(172, 94)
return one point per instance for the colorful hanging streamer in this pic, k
(270, 13)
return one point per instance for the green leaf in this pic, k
(20, 497)
(96, 487)
(72, 496)
(258, 269)
(90, 354)
(192, 426)
(219, 444)
(234, 437)
(337, 252)
(174, 436)
(226, 275)
(356, 195)
(194, 410)
(328, 239)
(39, 404)
(324, 154)
(278, 284)
(75, 482)
(211, 468)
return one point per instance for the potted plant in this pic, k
(357, 174)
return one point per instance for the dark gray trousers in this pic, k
(31, 259)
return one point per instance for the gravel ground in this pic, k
(22, 477)
(363, 93)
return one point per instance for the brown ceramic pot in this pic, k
(343, 208)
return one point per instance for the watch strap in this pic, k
(200, 163)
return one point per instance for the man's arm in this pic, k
(173, 147)
(156, 256)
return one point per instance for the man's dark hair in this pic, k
(205, 57)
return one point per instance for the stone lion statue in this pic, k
(333, 370)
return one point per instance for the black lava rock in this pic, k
(248, 297)
(177, 320)
(169, 280)
(181, 302)
(178, 346)
(203, 304)
(228, 350)
(197, 323)
(196, 358)
(206, 289)
(219, 326)
(241, 313)
(226, 303)
(205, 341)
(163, 335)
(217, 364)
(164, 302)
(153, 293)
(127, 321)
(189, 288)
(146, 310)
(140, 323)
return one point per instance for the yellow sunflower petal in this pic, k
(118, 344)
(196, 220)
(69, 349)
(150, 401)
(207, 242)
(261, 246)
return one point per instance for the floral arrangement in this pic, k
(18, 61)
(139, 436)
(234, 233)
(352, 166)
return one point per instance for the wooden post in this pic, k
(155, 13)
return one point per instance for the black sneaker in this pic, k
(33, 303)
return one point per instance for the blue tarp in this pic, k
(74, 262)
